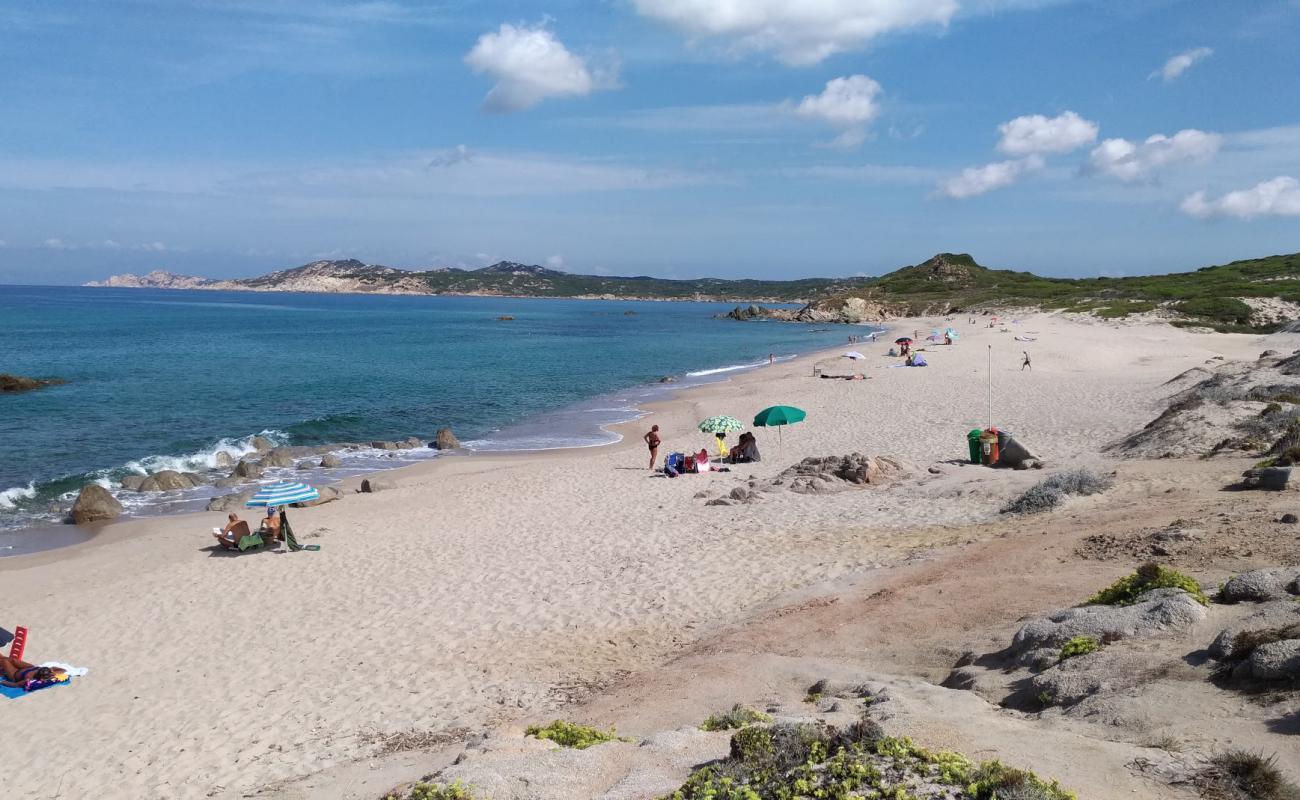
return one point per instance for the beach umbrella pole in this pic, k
(990, 386)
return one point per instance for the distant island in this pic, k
(1255, 295)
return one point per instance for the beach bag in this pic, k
(689, 464)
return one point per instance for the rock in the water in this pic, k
(372, 485)
(1261, 584)
(328, 494)
(133, 482)
(306, 465)
(668, 379)
(166, 480)
(412, 442)
(223, 460)
(230, 502)
(95, 504)
(384, 445)
(1156, 611)
(329, 461)
(226, 483)
(505, 318)
(279, 457)
(246, 469)
(445, 440)
(18, 383)
(261, 443)
(1276, 661)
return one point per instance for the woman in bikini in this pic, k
(16, 672)
(652, 440)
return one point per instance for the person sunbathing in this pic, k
(226, 535)
(15, 672)
(271, 525)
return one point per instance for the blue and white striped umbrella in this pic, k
(282, 494)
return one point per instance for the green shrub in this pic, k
(1079, 646)
(1271, 408)
(435, 791)
(1126, 590)
(738, 717)
(567, 734)
(1228, 310)
(1052, 491)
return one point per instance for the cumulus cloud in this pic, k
(978, 180)
(1176, 66)
(847, 104)
(1039, 135)
(799, 33)
(151, 247)
(555, 262)
(531, 65)
(55, 243)
(458, 155)
(1132, 161)
(1279, 197)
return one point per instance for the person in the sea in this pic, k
(16, 672)
(225, 535)
(652, 441)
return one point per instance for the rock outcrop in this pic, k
(17, 383)
(445, 440)
(95, 504)
(166, 480)
(820, 475)
(848, 310)
(1278, 583)
(247, 469)
(330, 461)
(230, 502)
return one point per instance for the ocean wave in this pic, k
(10, 498)
(736, 367)
(201, 460)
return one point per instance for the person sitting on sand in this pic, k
(722, 446)
(271, 525)
(15, 672)
(653, 441)
(225, 535)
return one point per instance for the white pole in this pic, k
(990, 386)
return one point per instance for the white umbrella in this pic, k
(854, 354)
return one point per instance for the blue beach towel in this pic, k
(18, 691)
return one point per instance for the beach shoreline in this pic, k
(473, 591)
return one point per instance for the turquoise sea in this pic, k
(165, 379)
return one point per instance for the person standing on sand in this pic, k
(1025, 364)
(652, 441)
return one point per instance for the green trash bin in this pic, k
(973, 440)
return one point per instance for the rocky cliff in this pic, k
(158, 279)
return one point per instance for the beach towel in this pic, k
(14, 692)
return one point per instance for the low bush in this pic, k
(1052, 491)
(1126, 590)
(738, 717)
(567, 734)
(1241, 775)
(1079, 646)
(435, 791)
(1224, 310)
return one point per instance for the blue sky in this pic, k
(676, 138)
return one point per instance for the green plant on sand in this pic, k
(1079, 646)
(434, 791)
(568, 734)
(1126, 590)
(801, 760)
(738, 717)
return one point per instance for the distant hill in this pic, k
(1244, 295)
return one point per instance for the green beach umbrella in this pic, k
(716, 425)
(779, 417)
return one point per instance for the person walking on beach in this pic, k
(1025, 364)
(771, 358)
(652, 441)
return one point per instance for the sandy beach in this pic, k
(481, 590)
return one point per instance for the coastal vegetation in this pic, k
(18, 383)
(1051, 492)
(1080, 646)
(1215, 296)
(1127, 590)
(797, 760)
(738, 717)
(568, 734)
(434, 791)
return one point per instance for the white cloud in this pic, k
(1038, 135)
(54, 243)
(1180, 63)
(529, 66)
(1279, 197)
(799, 33)
(847, 104)
(151, 247)
(1130, 161)
(978, 180)
(555, 262)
